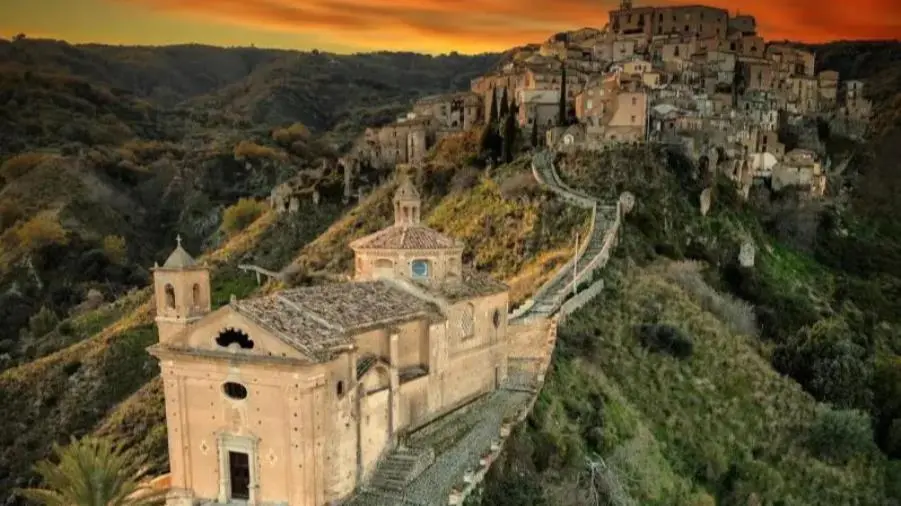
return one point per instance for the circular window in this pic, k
(234, 391)
(420, 268)
(496, 318)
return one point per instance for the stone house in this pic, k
(292, 398)
(676, 50)
(690, 20)
(750, 46)
(758, 76)
(594, 101)
(852, 90)
(636, 66)
(454, 112)
(800, 167)
(791, 61)
(744, 24)
(616, 50)
(407, 140)
(538, 106)
(627, 121)
(804, 94)
(828, 88)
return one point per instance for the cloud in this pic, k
(490, 25)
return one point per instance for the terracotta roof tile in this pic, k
(317, 319)
(406, 237)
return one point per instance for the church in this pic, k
(292, 398)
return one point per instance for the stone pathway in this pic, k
(481, 427)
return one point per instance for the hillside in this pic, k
(74, 385)
(109, 152)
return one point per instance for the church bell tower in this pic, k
(407, 203)
(181, 290)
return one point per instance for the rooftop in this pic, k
(318, 319)
(473, 284)
(406, 237)
(179, 258)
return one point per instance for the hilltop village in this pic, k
(690, 76)
(402, 385)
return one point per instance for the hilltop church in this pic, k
(292, 398)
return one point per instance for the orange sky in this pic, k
(431, 26)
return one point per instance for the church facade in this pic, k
(293, 397)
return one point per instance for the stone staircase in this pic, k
(548, 299)
(400, 467)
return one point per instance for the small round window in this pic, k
(420, 268)
(234, 391)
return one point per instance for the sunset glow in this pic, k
(432, 26)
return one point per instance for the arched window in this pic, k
(234, 390)
(170, 296)
(232, 336)
(195, 295)
(419, 268)
(496, 318)
(339, 388)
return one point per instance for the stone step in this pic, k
(388, 484)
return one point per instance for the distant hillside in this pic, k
(265, 86)
(108, 152)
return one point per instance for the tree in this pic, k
(489, 142)
(509, 138)
(534, 134)
(493, 112)
(505, 106)
(93, 472)
(838, 435)
(40, 231)
(562, 118)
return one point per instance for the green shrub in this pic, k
(893, 480)
(42, 322)
(839, 435)
(114, 248)
(665, 339)
(237, 217)
(828, 362)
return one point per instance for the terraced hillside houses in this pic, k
(695, 77)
